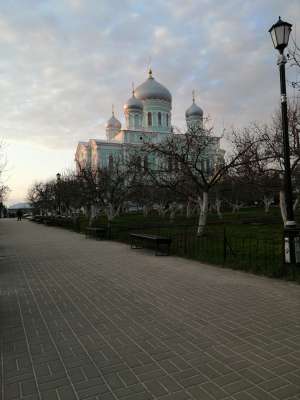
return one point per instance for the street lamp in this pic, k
(58, 176)
(280, 32)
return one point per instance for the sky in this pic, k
(63, 63)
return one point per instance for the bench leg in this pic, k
(135, 244)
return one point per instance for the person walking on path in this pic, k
(19, 215)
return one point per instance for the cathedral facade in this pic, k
(148, 117)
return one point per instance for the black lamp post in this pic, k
(280, 32)
(58, 176)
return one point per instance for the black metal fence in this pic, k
(259, 255)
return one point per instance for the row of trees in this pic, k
(4, 189)
(178, 180)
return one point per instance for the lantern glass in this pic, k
(280, 33)
(273, 36)
(287, 31)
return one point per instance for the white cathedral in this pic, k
(148, 118)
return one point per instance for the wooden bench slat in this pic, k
(159, 240)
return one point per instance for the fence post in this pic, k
(224, 246)
(185, 240)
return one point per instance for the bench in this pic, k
(97, 233)
(162, 243)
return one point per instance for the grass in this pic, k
(253, 222)
(250, 240)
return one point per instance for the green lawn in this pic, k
(250, 239)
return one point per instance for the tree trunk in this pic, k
(88, 213)
(173, 209)
(236, 206)
(93, 211)
(218, 208)
(295, 205)
(267, 203)
(189, 208)
(109, 211)
(162, 210)
(203, 205)
(146, 210)
(282, 206)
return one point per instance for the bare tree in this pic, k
(266, 168)
(191, 165)
(4, 189)
(42, 197)
(294, 60)
(109, 188)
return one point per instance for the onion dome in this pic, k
(113, 122)
(151, 89)
(194, 110)
(133, 104)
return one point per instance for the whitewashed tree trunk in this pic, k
(267, 202)
(161, 210)
(173, 208)
(112, 212)
(282, 206)
(109, 210)
(93, 211)
(236, 206)
(146, 210)
(203, 205)
(218, 208)
(295, 205)
(189, 208)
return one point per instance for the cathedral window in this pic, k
(159, 119)
(149, 119)
(167, 118)
(136, 121)
(110, 162)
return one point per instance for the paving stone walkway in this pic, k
(85, 319)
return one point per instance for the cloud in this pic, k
(64, 62)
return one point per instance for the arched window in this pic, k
(110, 162)
(167, 119)
(159, 119)
(149, 119)
(136, 120)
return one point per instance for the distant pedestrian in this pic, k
(19, 215)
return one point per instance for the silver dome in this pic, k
(194, 110)
(133, 103)
(151, 89)
(113, 122)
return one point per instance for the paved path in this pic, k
(83, 319)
